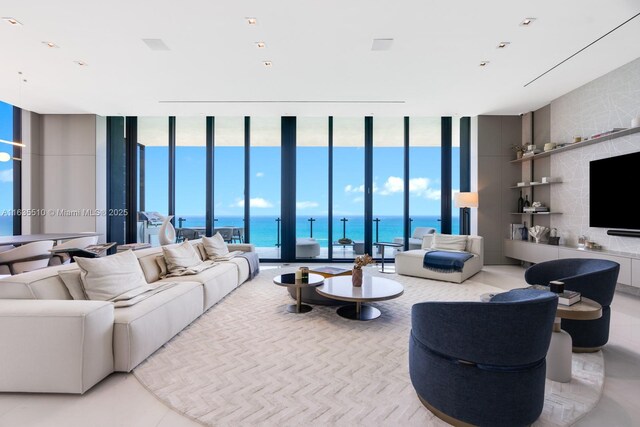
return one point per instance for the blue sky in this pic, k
(312, 190)
(6, 169)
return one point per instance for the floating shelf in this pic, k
(536, 213)
(574, 145)
(535, 185)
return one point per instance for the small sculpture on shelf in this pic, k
(538, 232)
(519, 149)
(554, 239)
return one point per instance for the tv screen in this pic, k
(612, 190)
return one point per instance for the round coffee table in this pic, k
(372, 289)
(289, 280)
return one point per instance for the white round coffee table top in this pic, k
(373, 289)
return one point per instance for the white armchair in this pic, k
(410, 263)
(415, 241)
(31, 256)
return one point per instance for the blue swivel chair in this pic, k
(593, 278)
(483, 363)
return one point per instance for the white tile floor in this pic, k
(120, 400)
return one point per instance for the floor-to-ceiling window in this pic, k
(424, 172)
(6, 169)
(455, 174)
(265, 186)
(348, 186)
(191, 177)
(388, 181)
(153, 191)
(312, 178)
(228, 176)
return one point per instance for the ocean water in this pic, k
(6, 225)
(264, 229)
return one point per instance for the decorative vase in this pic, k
(167, 234)
(356, 277)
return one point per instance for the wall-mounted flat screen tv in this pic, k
(613, 192)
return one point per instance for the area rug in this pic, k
(247, 362)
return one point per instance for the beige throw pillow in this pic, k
(73, 281)
(106, 278)
(449, 242)
(215, 246)
(180, 256)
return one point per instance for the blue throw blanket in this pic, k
(445, 262)
(254, 263)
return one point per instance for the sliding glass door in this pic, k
(312, 190)
(265, 186)
(348, 187)
(6, 169)
(388, 182)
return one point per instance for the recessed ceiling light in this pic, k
(527, 21)
(484, 63)
(381, 44)
(12, 21)
(267, 63)
(502, 45)
(252, 21)
(51, 44)
(81, 63)
(261, 45)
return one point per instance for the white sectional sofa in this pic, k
(410, 263)
(52, 343)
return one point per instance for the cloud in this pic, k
(259, 174)
(420, 187)
(6, 175)
(256, 202)
(307, 205)
(393, 184)
(359, 188)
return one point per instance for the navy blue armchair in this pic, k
(595, 279)
(483, 363)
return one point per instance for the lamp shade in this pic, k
(466, 200)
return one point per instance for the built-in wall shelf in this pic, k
(536, 213)
(536, 184)
(575, 145)
(528, 251)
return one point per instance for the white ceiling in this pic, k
(321, 53)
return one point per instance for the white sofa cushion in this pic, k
(180, 256)
(449, 242)
(143, 328)
(73, 281)
(215, 246)
(109, 277)
(217, 281)
(54, 346)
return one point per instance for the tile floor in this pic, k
(120, 400)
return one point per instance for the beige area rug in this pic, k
(247, 362)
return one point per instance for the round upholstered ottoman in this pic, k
(307, 248)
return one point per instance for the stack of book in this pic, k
(534, 209)
(328, 271)
(569, 297)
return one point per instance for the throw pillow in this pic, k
(215, 246)
(180, 256)
(105, 279)
(162, 265)
(449, 242)
(73, 281)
